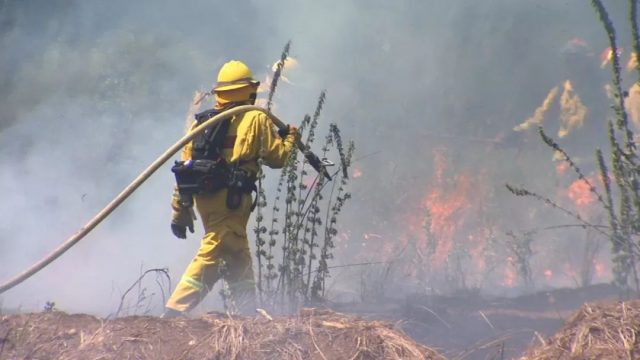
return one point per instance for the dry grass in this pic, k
(596, 331)
(313, 334)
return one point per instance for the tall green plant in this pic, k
(318, 288)
(261, 201)
(297, 222)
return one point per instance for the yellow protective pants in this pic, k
(224, 254)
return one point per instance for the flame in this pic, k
(632, 103)
(548, 274)
(572, 110)
(289, 64)
(444, 208)
(607, 56)
(633, 62)
(310, 182)
(343, 240)
(357, 173)
(557, 156)
(368, 236)
(452, 205)
(442, 223)
(443, 236)
(561, 167)
(602, 271)
(538, 115)
(510, 276)
(579, 192)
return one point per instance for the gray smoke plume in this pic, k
(91, 92)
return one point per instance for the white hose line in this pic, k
(133, 186)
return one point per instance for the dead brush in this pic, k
(144, 301)
(596, 331)
(312, 334)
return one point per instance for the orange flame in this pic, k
(633, 62)
(602, 271)
(368, 236)
(450, 205)
(444, 209)
(510, 276)
(539, 114)
(607, 56)
(443, 228)
(580, 193)
(548, 274)
(572, 110)
(632, 103)
(561, 167)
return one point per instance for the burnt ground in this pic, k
(460, 327)
(475, 327)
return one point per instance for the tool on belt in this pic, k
(208, 172)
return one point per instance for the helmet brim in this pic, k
(232, 85)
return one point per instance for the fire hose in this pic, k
(318, 164)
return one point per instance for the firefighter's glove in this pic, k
(289, 130)
(182, 220)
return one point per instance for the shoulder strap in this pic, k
(210, 143)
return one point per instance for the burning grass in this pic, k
(596, 331)
(313, 334)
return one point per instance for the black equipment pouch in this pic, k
(240, 182)
(195, 177)
(208, 172)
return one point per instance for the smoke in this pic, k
(91, 92)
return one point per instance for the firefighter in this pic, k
(228, 151)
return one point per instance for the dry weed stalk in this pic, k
(277, 73)
(260, 230)
(142, 300)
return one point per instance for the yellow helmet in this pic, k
(234, 75)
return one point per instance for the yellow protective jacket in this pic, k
(255, 138)
(225, 244)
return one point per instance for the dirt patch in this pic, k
(606, 330)
(313, 334)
